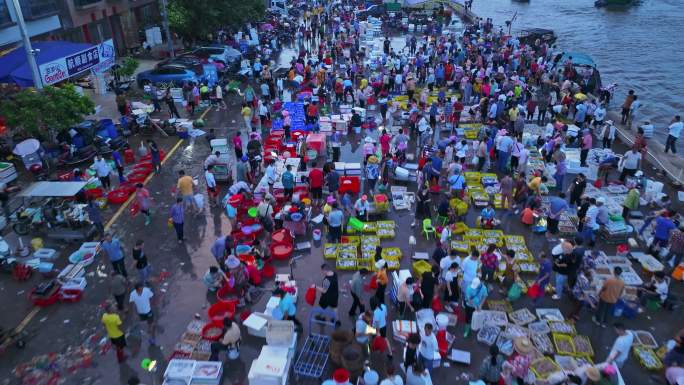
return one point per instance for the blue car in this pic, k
(170, 74)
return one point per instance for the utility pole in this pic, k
(165, 23)
(30, 53)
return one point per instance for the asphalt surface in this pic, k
(179, 293)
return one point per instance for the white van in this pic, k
(279, 6)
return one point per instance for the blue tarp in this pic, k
(15, 69)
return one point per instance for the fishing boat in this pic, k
(612, 3)
(530, 35)
(582, 63)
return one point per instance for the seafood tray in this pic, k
(524, 256)
(492, 240)
(346, 264)
(473, 233)
(521, 316)
(193, 338)
(562, 328)
(527, 267)
(647, 357)
(391, 253)
(370, 228)
(488, 334)
(330, 251)
(203, 346)
(493, 233)
(631, 278)
(368, 247)
(393, 265)
(513, 331)
(645, 339)
(495, 318)
(603, 270)
(549, 314)
(367, 254)
(517, 247)
(582, 346)
(539, 327)
(370, 240)
(543, 343)
(514, 240)
(567, 363)
(184, 347)
(460, 246)
(499, 305)
(347, 251)
(563, 344)
(544, 367)
(505, 344)
(386, 233)
(386, 224)
(473, 239)
(195, 327)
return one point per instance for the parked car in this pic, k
(224, 54)
(188, 61)
(173, 74)
(376, 10)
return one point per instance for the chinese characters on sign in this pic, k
(82, 60)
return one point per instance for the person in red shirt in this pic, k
(385, 140)
(316, 186)
(490, 263)
(312, 113)
(458, 109)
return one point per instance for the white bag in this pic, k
(199, 200)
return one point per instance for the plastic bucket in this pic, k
(316, 233)
(220, 310)
(401, 173)
(212, 331)
(252, 212)
(355, 224)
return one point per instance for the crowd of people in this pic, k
(423, 88)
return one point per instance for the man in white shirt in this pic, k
(102, 169)
(675, 129)
(212, 159)
(623, 343)
(590, 223)
(428, 347)
(447, 261)
(630, 163)
(599, 115)
(212, 189)
(140, 297)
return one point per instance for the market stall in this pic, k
(50, 208)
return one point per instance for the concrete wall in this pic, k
(10, 34)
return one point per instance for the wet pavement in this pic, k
(180, 294)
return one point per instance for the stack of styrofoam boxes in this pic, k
(339, 123)
(325, 125)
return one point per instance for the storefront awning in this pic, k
(52, 189)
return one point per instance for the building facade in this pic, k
(94, 21)
(41, 16)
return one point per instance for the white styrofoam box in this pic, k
(75, 284)
(271, 367)
(256, 324)
(179, 369)
(43, 253)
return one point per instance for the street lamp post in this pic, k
(30, 53)
(167, 31)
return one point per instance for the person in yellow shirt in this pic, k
(246, 113)
(535, 184)
(186, 188)
(112, 323)
(382, 280)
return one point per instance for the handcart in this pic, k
(221, 169)
(313, 357)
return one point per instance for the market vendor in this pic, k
(362, 207)
(656, 290)
(487, 219)
(239, 278)
(230, 341)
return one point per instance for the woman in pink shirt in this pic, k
(385, 140)
(587, 142)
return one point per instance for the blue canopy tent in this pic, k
(15, 69)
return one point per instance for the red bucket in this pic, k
(117, 196)
(282, 251)
(212, 331)
(281, 236)
(94, 193)
(220, 310)
(137, 176)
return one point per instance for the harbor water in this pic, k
(635, 47)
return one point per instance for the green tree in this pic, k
(30, 112)
(193, 20)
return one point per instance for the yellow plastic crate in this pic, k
(420, 267)
(460, 246)
(330, 251)
(346, 264)
(563, 344)
(391, 253)
(459, 228)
